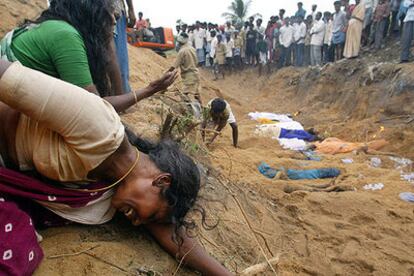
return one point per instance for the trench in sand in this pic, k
(316, 233)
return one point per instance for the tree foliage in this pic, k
(238, 11)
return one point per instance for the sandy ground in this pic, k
(14, 12)
(315, 233)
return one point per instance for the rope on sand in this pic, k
(86, 252)
(254, 235)
(73, 254)
(182, 260)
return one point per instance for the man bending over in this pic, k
(217, 114)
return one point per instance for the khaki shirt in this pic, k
(187, 61)
(238, 42)
(221, 53)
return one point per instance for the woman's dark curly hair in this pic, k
(182, 194)
(93, 19)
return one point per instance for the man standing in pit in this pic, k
(187, 62)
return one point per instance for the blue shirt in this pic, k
(410, 12)
(301, 12)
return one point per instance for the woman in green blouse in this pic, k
(73, 41)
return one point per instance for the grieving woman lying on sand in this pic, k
(66, 43)
(51, 127)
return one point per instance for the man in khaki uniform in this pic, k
(187, 62)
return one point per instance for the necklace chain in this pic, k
(114, 184)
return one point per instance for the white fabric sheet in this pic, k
(270, 116)
(293, 144)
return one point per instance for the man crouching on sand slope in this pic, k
(217, 114)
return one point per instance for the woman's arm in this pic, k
(125, 101)
(195, 256)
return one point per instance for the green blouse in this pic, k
(55, 48)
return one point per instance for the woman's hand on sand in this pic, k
(164, 82)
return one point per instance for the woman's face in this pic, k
(141, 201)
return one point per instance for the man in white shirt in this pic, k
(408, 31)
(229, 29)
(208, 44)
(314, 12)
(286, 40)
(260, 28)
(190, 32)
(299, 39)
(243, 34)
(214, 42)
(327, 40)
(217, 115)
(229, 51)
(317, 38)
(281, 16)
(199, 40)
(340, 23)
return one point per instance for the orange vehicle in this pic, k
(162, 40)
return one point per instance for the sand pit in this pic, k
(356, 232)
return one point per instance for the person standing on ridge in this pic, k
(187, 62)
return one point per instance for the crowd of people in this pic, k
(303, 39)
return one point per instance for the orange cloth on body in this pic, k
(335, 146)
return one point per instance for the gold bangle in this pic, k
(136, 98)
